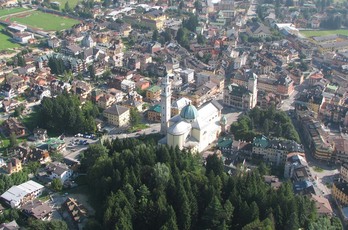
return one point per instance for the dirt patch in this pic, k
(23, 15)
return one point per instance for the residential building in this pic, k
(127, 86)
(315, 137)
(242, 97)
(82, 89)
(76, 210)
(296, 167)
(178, 105)
(18, 195)
(14, 165)
(154, 113)
(274, 151)
(12, 125)
(106, 101)
(322, 204)
(153, 93)
(9, 226)
(340, 192)
(117, 115)
(40, 134)
(344, 172)
(59, 170)
(37, 210)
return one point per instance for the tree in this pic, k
(13, 140)
(155, 35)
(67, 7)
(56, 184)
(200, 39)
(161, 174)
(214, 163)
(139, 185)
(91, 71)
(214, 215)
(134, 117)
(56, 156)
(191, 23)
(21, 60)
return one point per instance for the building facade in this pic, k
(117, 115)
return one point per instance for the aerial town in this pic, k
(187, 114)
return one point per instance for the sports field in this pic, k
(4, 12)
(44, 21)
(5, 42)
(318, 33)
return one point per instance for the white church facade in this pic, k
(193, 128)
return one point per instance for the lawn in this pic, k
(138, 127)
(4, 12)
(318, 169)
(5, 42)
(318, 33)
(72, 3)
(44, 21)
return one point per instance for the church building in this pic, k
(193, 128)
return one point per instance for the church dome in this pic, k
(189, 112)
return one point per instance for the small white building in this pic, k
(127, 86)
(23, 38)
(60, 171)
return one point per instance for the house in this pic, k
(106, 101)
(37, 210)
(82, 89)
(40, 134)
(59, 170)
(340, 192)
(37, 155)
(296, 167)
(19, 195)
(178, 105)
(117, 115)
(344, 172)
(76, 210)
(274, 151)
(53, 42)
(154, 113)
(322, 204)
(12, 125)
(118, 94)
(9, 226)
(127, 86)
(71, 50)
(153, 93)
(14, 165)
(273, 181)
(8, 90)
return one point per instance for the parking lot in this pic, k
(76, 144)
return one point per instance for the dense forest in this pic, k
(64, 114)
(137, 184)
(270, 122)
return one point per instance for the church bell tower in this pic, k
(165, 104)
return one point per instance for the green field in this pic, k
(4, 12)
(318, 33)
(72, 3)
(44, 21)
(5, 42)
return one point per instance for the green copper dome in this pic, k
(189, 112)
